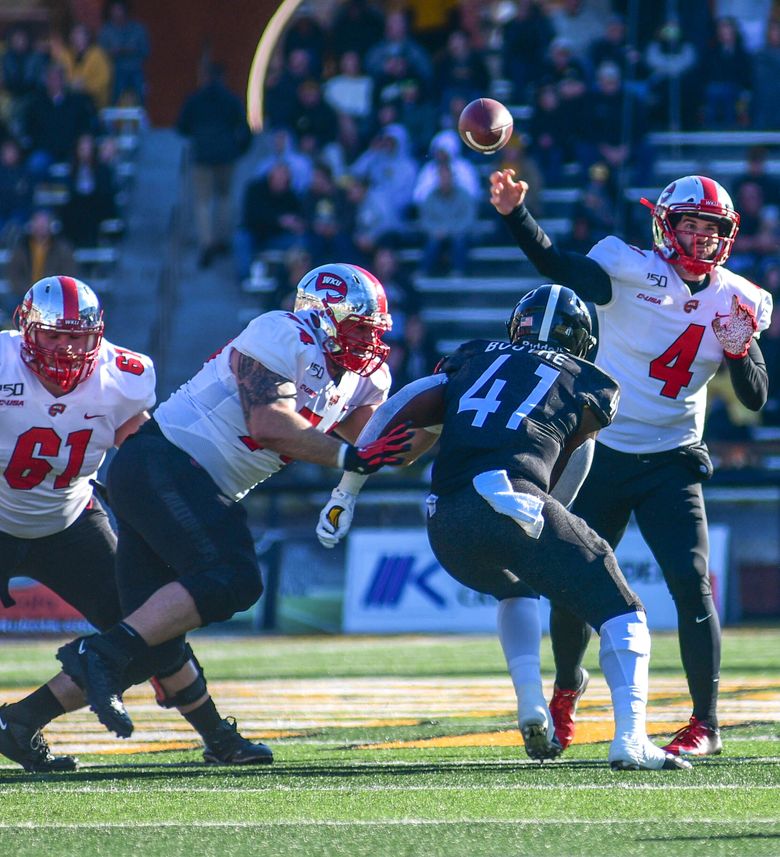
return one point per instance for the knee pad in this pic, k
(219, 593)
(157, 661)
(186, 695)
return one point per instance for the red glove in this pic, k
(380, 452)
(736, 334)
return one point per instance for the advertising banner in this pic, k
(395, 585)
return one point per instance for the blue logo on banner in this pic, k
(391, 577)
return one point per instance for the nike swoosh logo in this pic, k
(81, 647)
(3, 724)
(92, 416)
(703, 619)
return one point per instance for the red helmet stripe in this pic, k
(380, 289)
(70, 297)
(710, 188)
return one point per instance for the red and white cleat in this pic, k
(563, 706)
(698, 738)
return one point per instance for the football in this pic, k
(485, 125)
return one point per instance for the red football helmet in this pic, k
(350, 309)
(60, 305)
(697, 196)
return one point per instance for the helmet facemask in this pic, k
(350, 315)
(688, 197)
(61, 305)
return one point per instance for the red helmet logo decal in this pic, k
(667, 193)
(56, 409)
(334, 285)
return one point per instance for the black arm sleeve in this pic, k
(749, 377)
(581, 274)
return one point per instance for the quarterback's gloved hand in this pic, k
(335, 518)
(737, 332)
(386, 449)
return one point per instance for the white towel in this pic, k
(524, 509)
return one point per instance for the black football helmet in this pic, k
(555, 317)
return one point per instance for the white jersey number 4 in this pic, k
(673, 366)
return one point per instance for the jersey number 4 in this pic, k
(673, 366)
(490, 402)
(26, 470)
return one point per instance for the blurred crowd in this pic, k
(59, 189)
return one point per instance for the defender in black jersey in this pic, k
(512, 413)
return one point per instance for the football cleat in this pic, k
(698, 738)
(638, 753)
(563, 706)
(101, 681)
(231, 748)
(27, 746)
(540, 741)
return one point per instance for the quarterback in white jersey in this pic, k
(668, 318)
(186, 556)
(66, 397)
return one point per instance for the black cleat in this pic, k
(231, 748)
(101, 681)
(20, 743)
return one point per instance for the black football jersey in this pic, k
(514, 407)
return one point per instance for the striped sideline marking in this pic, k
(277, 709)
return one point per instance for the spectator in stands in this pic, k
(283, 150)
(525, 40)
(580, 23)
(23, 68)
(727, 73)
(516, 156)
(312, 116)
(674, 84)
(16, 189)
(413, 354)
(344, 150)
(304, 33)
(351, 91)
(613, 47)
(398, 42)
(415, 112)
(759, 232)
(327, 217)
(87, 66)
(447, 214)
(459, 70)
(751, 16)
(375, 219)
(549, 132)
(598, 202)
(91, 195)
(126, 42)
(39, 252)
(561, 63)
(445, 148)
(214, 121)
(56, 119)
(766, 73)
(757, 173)
(399, 285)
(396, 76)
(582, 236)
(272, 218)
(357, 26)
(390, 171)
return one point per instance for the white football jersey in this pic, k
(656, 339)
(204, 417)
(50, 447)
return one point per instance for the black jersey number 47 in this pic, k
(488, 403)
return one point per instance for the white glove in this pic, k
(336, 518)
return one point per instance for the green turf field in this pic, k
(397, 746)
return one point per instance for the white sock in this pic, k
(520, 633)
(625, 661)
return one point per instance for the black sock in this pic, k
(122, 640)
(569, 637)
(205, 718)
(37, 709)
(700, 651)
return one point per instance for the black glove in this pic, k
(384, 450)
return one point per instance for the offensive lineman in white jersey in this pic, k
(67, 396)
(668, 317)
(186, 556)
